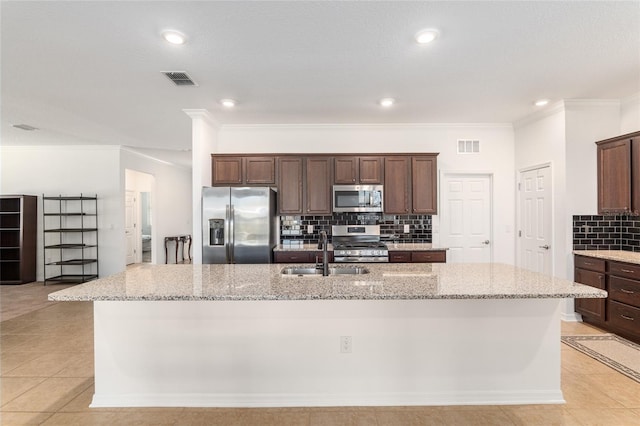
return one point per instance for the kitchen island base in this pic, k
(288, 353)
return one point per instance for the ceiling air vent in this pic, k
(468, 146)
(25, 127)
(180, 78)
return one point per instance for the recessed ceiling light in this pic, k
(228, 103)
(541, 102)
(174, 37)
(387, 102)
(427, 36)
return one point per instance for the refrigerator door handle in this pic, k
(232, 234)
(227, 232)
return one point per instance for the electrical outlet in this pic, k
(346, 344)
(406, 229)
(309, 229)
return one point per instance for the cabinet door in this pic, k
(290, 185)
(424, 184)
(435, 256)
(400, 257)
(370, 169)
(614, 176)
(397, 185)
(226, 171)
(346, 170)
(260, 170)
(591, 308)
(318, 180)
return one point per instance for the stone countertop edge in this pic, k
(185, 282)
(618, 255)
(390, 247)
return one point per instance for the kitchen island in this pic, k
(402, 334)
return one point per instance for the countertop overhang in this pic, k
(391, 281)
(617, 255)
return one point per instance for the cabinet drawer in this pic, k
(400, 256)
(590, 263)
(625, 270)
(429, 256)
(590, 278)
(293, 257)
(625, 291)
(624, 316)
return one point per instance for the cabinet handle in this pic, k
(627, 318)
(588, 263)
(628, 271)
(626, 291)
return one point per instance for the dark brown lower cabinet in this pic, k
(303, 256)
(620, 311)
(430, 256)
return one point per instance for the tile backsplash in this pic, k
(295, 228)
(597, 232)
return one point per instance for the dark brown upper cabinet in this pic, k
(619, 174)
(243, 170)
(358, 170)
(410, 184)
(290, 185)
(318, 185)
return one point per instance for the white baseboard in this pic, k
(327, 400)
(570, 317)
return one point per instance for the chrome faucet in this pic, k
(323, 244)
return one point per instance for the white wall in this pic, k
(497, 153)
(630, 114)
(71, 170)
(204, 139)
(170, 201)
(98, 170)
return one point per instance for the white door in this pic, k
(535, 220)
(465, 218)
(130, 225)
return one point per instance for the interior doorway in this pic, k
(465, 221)
(535, 224)
(139, 230)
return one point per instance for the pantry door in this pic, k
(465, 218)
(535, 229)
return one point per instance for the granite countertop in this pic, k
(384, 281)
(619, 255)
(390, 245)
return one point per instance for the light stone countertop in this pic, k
(399, 281)
(619, 255)
(391, 246)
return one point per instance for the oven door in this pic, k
(357, 198)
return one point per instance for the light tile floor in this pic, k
(46, 374)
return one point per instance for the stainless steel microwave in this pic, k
(357, 198)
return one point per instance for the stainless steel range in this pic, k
(358, 243)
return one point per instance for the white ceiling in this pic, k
(90, 72)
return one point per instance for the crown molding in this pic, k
(202, 114)
(326, 126)
(539, 115)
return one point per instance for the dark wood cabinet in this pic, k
(429, 256)
(318, 185)
(18, 223)
(397, 181)
(619, 174)
(424, 185)
(410, 184)
(620, 311)
(302, 256)
(243, 170)
(226, 171)
(358, 170)
(290, 185)
(260, 171)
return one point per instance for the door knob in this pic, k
(485, 242)
(546, 247)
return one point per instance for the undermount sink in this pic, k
(344, 270)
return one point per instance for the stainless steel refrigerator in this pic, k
(239, 225)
